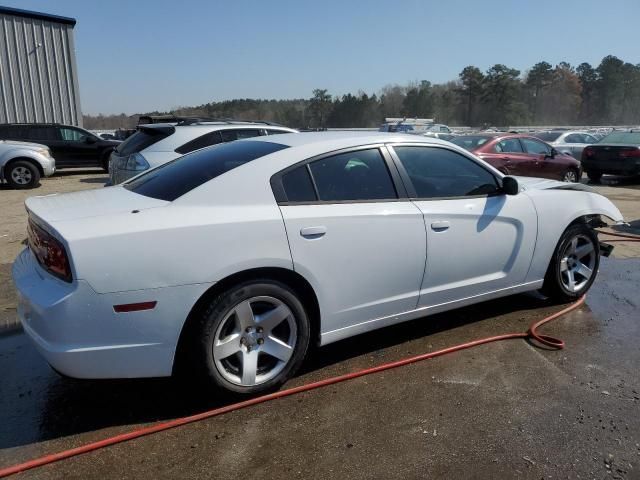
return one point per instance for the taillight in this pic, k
(635, 153)
(588, 152)
(49, 252)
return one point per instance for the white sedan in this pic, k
(229, 261)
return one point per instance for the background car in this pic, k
(516, 154)
(618, 153)
(159, 143)
(231, 261)
(71, 146)
(22, 164)
(570, 142)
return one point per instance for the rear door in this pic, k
(479, 240)
(48, 135)
(508, 156)
(355, 235)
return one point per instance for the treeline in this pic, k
(608, 94)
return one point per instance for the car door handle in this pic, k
(440, 226)
(313, 232)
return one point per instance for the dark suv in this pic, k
(70, 146)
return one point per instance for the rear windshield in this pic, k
(174, 179)
(140, 140)
(548, 136)
(470, 142)
(629, 138)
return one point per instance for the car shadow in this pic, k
(40, 405)
(632, 182)
(79, 171)
(102, 180)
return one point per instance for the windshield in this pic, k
(174, 179)
(628, 138)
(548, 136)
(470, 142)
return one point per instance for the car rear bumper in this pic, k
(80, 335)
(614, 167)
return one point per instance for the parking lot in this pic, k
(502, 410)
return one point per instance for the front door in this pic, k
(478, 240)
(80, 150)
(361, 246)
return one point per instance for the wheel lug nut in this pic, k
(248, 329)
(259, 329)
(243, 341)
(260, 341)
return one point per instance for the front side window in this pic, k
(441, 173)
(358, 175)
(509, 145)
(535, 147)
(72, 135)
(589, 139)
(574, 138)
(174, 179)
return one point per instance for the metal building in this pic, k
(38, 73)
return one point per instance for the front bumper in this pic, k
(48, 167)
(80, 335)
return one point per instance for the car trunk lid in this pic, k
(89, 203)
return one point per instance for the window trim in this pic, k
(281, 196)
(413, 195)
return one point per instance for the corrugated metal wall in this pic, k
(38, 75)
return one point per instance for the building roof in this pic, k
(37, 15)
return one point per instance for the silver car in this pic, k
(22, 164)
(569, 142)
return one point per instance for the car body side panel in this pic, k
(556, 209)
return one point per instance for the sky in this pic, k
(140, 56)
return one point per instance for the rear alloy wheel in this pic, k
(570, 176)
(574, 264)
(594, 175)
(252, 338)
(22, 174)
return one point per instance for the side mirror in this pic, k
(510, 186)
(90, 139)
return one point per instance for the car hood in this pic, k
(534, 183)
(89, 203)
(17, 143)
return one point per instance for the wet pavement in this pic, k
(500, 410)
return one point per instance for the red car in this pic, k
(515, 154)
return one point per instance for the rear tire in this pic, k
(574, 264)
(250, 339)
(22, 174)
(594, 176)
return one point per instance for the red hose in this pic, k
(89, 447)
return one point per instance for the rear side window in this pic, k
(359, 175)
(239, 134)
(510, 145)
(43, 133)
(298, 186)
(276, 132)
(206, 140)
(442, 173)
(174, 179)
(143, 138)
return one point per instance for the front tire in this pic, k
(570, 176)
(22, 174)
(251, 338)
(574, 264)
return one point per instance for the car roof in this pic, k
(336, 140)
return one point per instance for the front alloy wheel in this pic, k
(570, 176)
(574, 264)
